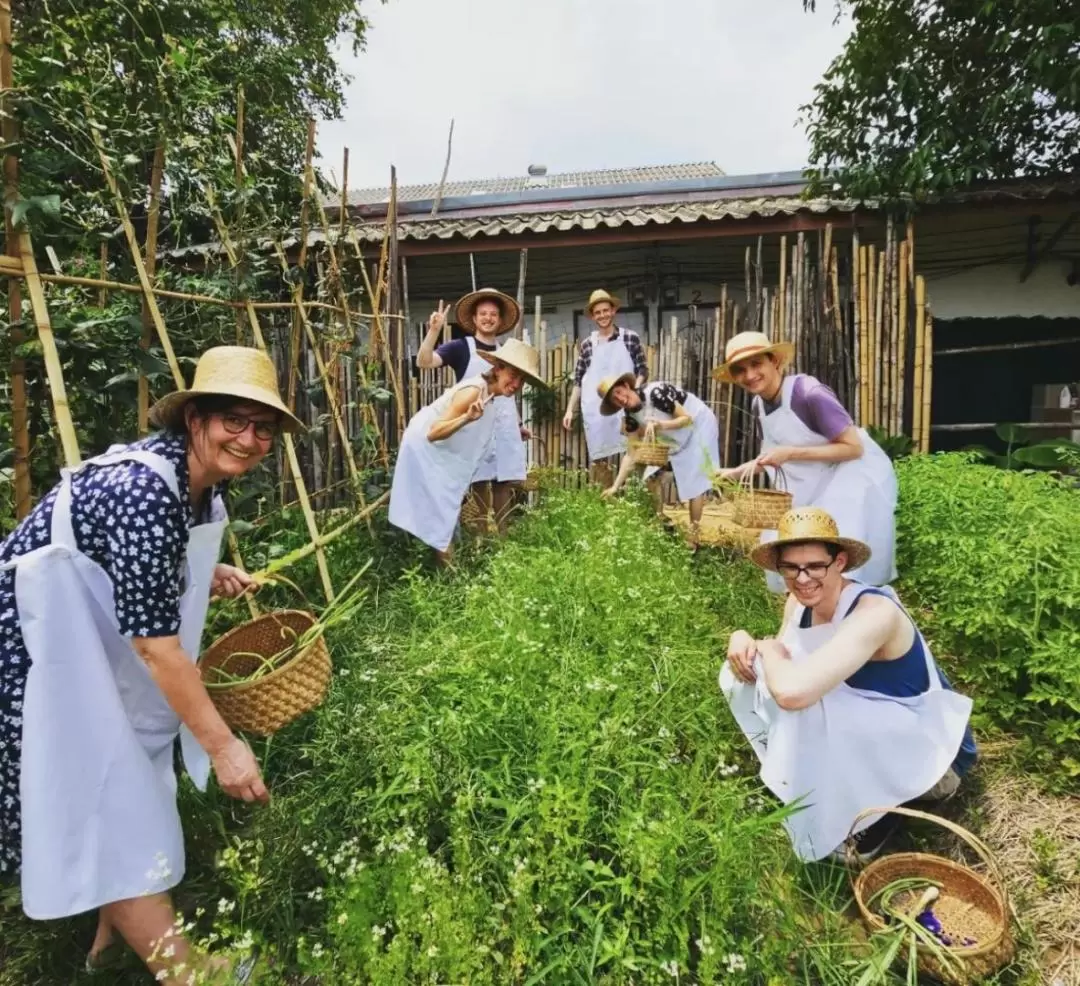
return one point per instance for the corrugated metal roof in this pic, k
(444, 228)
(572, 179)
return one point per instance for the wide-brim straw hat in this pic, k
(601, 295)
(227, 371)
(465, 310)
(747, 345)
(809, 524)
(519, 355)
(606, 386)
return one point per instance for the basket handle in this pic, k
(748, 472)
(982, 850)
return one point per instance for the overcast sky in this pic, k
(578, 85)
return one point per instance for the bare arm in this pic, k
(680, 420)
(464, 408)
(426, 357)
(178, 678)
(846, 446)
(859, 638)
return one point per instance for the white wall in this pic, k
(996, 292)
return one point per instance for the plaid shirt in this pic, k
(633, 346)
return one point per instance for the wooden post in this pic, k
(150, 254)
(20, 419)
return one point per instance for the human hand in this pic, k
(742, 649)
(228, 582)
(568, 419)
(475, 411)
(650, 432)
(526, 433)
(438, 318)
(776, 456)
(238, 773)
(609, 492)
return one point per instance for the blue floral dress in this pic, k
(127, 520)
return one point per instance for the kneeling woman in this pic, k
(123, 554)
(846, 708)
(446, 441)
(687, 424)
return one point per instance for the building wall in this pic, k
(995, 291)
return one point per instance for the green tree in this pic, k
(144, 72)
(932, 94)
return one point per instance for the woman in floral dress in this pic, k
(104, 589)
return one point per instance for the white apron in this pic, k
(431, 478)
(695, 453)
(603, 435)
(97, 786)
(852, 750)
(860, 494)
(505, 461)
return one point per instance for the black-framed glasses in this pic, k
(237, 424)
(815, 571)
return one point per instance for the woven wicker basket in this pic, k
(532, 480)
(265, 705)
(969, 905)
(650, 453)
(757, 508)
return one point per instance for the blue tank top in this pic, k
(904, 677)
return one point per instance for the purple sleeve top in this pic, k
(817, 407)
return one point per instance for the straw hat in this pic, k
(606, 386)
(227, 371)
(521, 356)
(809, 524)
(746, 345)
(466, 310)
(601, 295)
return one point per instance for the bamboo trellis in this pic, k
(19, 265)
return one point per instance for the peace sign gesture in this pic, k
(475, 411)
(438, 318)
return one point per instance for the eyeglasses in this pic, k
(237, 424)
(815, 571)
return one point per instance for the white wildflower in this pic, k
(735, 963)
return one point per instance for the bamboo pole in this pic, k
(103, 262)
(69, 441)
(20, 419)
(150, 251)
(920, 358)
(238, 172)
(902, 337)
(864, 336)
(298, 286)
(317, 545)
(896, 380)
(928, 383)
(879, 327)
